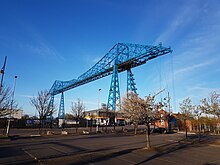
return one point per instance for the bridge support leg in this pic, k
(114, 102)
(61, 111)
(51, 109)
(114, 92)
(130, 82)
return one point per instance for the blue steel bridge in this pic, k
(122, 57)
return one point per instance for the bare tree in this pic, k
(211, 105)
(140, 110)
(6, 102)
(7, 106)
(78, 111)
(197, 112)
(131, 107)
(69, 116)
(41, 103)
(149, 115)
(186, 109)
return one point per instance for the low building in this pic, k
(16, 114)
(104, 117)
(166, 120)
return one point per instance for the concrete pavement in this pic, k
(110, 149)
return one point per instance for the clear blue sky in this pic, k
(48, 40)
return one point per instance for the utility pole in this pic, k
(3, 72)
(99, 98)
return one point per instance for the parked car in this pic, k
(159, 130)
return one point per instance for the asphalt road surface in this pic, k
(111, 148)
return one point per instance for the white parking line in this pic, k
(169, 161)
(214, 145)
(59, 150)
(32, 156)
(170, 140)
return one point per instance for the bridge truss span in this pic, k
(128, 56)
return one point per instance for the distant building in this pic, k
(104, 117)
(166, 120)
(16, 114)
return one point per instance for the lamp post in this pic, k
(13, 94)
(12, 102)
(99, 99)
(97, 120)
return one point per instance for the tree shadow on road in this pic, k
(179, 145)
(97, 157)
(94, 155)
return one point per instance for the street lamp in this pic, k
(99, 99)
(97, 120)
(13, 94)
(12, 102)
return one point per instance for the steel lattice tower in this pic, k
(114, 92)
(130, 82)
(61, 113)
(51, 106)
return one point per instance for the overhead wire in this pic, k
(158, 68)
(173, 83)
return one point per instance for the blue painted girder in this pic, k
(130, 82)
(114, 100)
(128, 56)
(61, 113)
